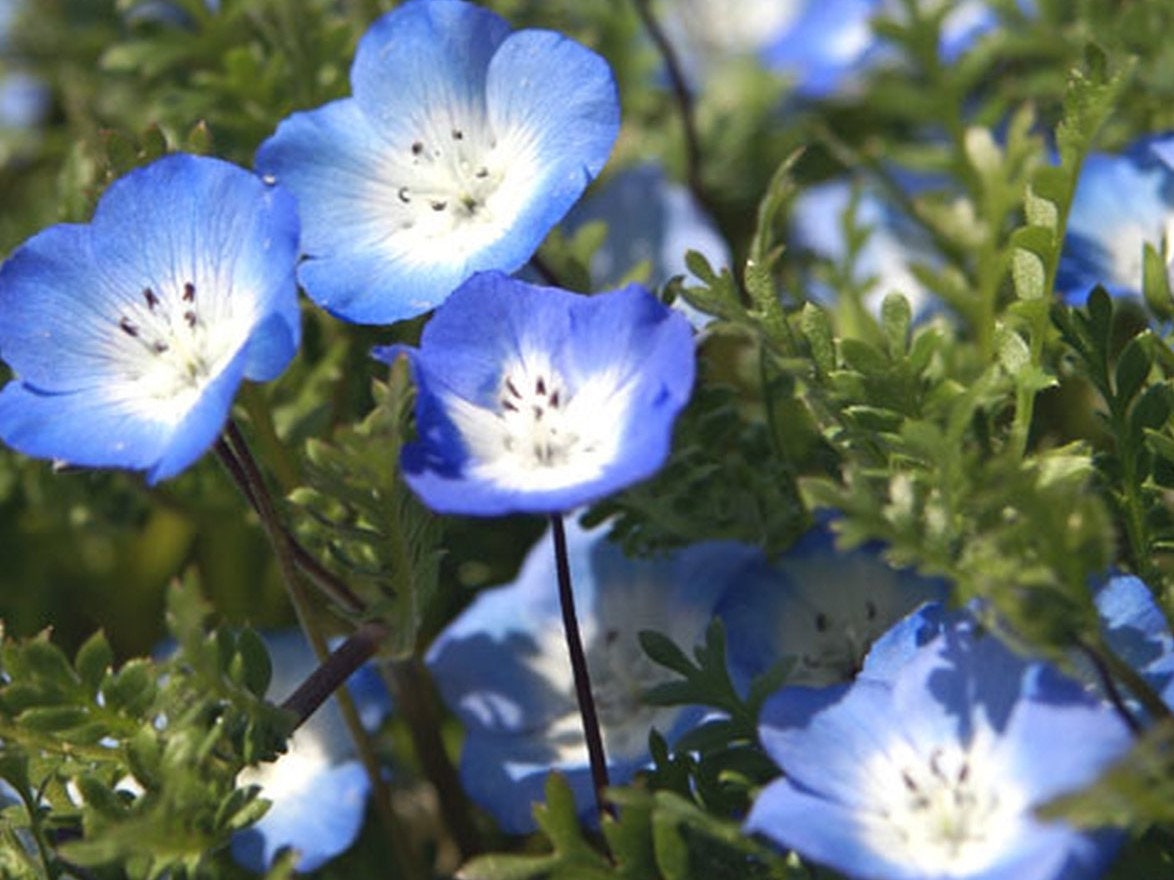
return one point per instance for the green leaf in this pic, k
(1133, 367)
(93, 660)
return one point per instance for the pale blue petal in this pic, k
(320, 823)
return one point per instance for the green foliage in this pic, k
(356, 509)
(134, 765)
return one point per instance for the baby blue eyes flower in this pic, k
(533, 399)
(935, 769)
(318, 787)
(502, 667)
(819, 606)
(1122, 203)
(129, 336)
(463, 145)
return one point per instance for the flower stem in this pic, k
(583, 693)
(319, 575)
(335, 670)
(233, 447)
(416, 703)
(684, 101)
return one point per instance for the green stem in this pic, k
(285, 469)
(408, 864)
(416, 703)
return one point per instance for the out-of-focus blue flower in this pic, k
(1137, 631)
(502, 667)
(318, 788)
(463, 145)
(1122, 203)
(24, 100)
(822, 46)
(936, 770)
(651, 220)
(534, 399)
(819, 606)
(128, 336)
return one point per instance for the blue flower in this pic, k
(650, 220)
(129, 336)
(833, 42)
(885, 262)
(502, 667)
(318, 787)
(533, 399)
(819, 606)
(1137, 631)
(463, 145)
(1122, 203)
(936, 769)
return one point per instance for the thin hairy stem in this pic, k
(255, 490)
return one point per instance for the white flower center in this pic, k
(837, 642)
(620, 674)
(458, 187)
(946, 814)
(543, 434)
(165, 350)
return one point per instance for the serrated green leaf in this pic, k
(93, 660)
(661, 649)
(1156, 283)
(817, 329)
(257, 668)
(1151, 410)
(1133, 367)
(863, 357)
(896, 318)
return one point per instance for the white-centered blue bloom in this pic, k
(935, 768)
(1122, 203)
(464, 144)
(129, 336)
(884, 264)
(819, 606)
(534, 399)
(318, 787)
(502, 667)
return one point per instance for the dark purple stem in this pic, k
(583, 693)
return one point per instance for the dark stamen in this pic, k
(538, 413)
(189, 292)
(149, 296)
(506, 403)
(128, 326)
(554, 399)
(509, 384)
(417, 148)
(481, 172)
(190, 317)
(908, 780)
(540, 386)
(439, 206)
(159, 346)
(457, 134)
(402, 192)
